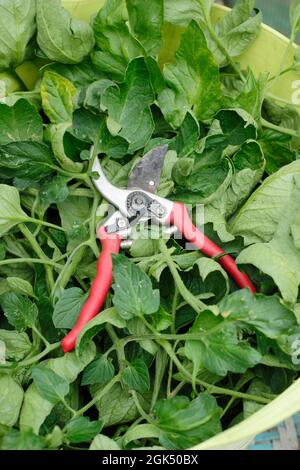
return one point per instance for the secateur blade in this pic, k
(146, 174)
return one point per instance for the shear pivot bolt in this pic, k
(121, 223)
(160, 211)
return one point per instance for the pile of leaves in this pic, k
(179, 353)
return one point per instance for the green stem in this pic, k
(93, 155)
(168, 337)
(190, 299)
(42, 337)
(140, 408)
(176, 390)
(38, 357)
(92, 227)
(66, 404)
(289, 69)
(44, 224)
(281, 129)
(70, 267)
(38, 250)
(98, 396)
(118, 345)
(170, 375)
(211, 388)
(81, 192)
(29, 261)
(174, 309)
(243, 381)
(160, 367)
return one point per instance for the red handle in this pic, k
(180, 218)
(99, 289)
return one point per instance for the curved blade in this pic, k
(146, 174)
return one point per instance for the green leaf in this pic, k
(134, 97)
(35, 408)
(252, 95)
(92, 98)
(133, 292)
(249, 164)
(267, 315)
(70, 365)
(17, 345)
(268, 256)
(73, 214)
(57, 134)
(81, 75)
(193, 81)
(237, 30)
(237, 126)
(102, 442)
(113, 66)
(20, 122)
(2, 250)
(202, 178)
(62, 38)
(219, 351)
(82, 430)
(136, 327)
(280, 251)
(156, 76)
(19, 310)
(275, 194)
(141, 432)
(20, 285)
(25, 440)
(258, 388)
(99, 371)
(162, 320)
(181, 13)
(50, 385)
(10, 400)
(136, 376)
(295, 231)
(147, 23)
(277, 155)
(213, 276)
(117, 44)
(17, 25)
(109, 315)
(54, 190)
(68, 307)
(54, 440)
(92, 128)
(115, 407)
(27, 162)
(185, 423)
(10, 209)
(57, 97)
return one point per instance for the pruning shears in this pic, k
(138, 204)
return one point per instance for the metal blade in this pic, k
(146, 174)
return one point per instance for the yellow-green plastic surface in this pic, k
(266, 54)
